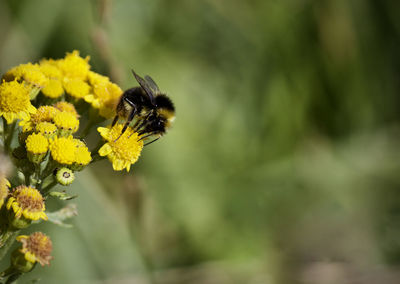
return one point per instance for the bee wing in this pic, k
(152, 84)
(145, 86)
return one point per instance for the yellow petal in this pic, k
(118, 165)
(104, 132)
(105, 150)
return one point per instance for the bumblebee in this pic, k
(154, 111)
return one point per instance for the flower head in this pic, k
(54, 89)
(105, 97)
(47, 129)
(4, 189)
(30, 73)
(68, 107)
(37, 144)
(15, 101)
(122, 152)
(96, 78)
(82, 156)
(27, 201)
(76, 87)
(74, 66)
(63, 150)
(50, 69)
(66, 121)
(37, 248)
(43, 113)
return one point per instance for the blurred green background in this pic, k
(283, 164)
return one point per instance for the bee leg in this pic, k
(143, 122)
(144, 137)
(128, 121)
(148, 143)
(114, 121)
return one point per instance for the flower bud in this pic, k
(65, 176)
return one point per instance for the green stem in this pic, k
(48, 169)
(46, 190)
(9, 138)
(5, 128)
(38, 179)
(13, 278)
(7, 239)
(96, 157)
(27, 178)
(85, 132)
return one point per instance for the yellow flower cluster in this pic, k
(46, 98)
(70, 75)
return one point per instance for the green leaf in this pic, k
(62, 195)
(58, 217)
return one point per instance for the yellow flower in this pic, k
(50, 69)
(66, 121)
(54, 89)
(15, 101)
(37, 248)
(63, 150)
(37, 144)
(30, 73)
(65, 106)
(105, 97)
(82, 156)
(96, 78)
(125, 151)
(4, 190)
(47, 129)
(76, 88)
(27, 202)
(44, 113)
(74, 66)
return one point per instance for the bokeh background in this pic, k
(283, 164)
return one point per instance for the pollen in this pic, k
(27, 201)
(122, 152)
(37, 248)
(15, 101)
(37, 144)
(54, 89)
(74, 66)
(76, 88)
(63, 150)
(66, 121)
